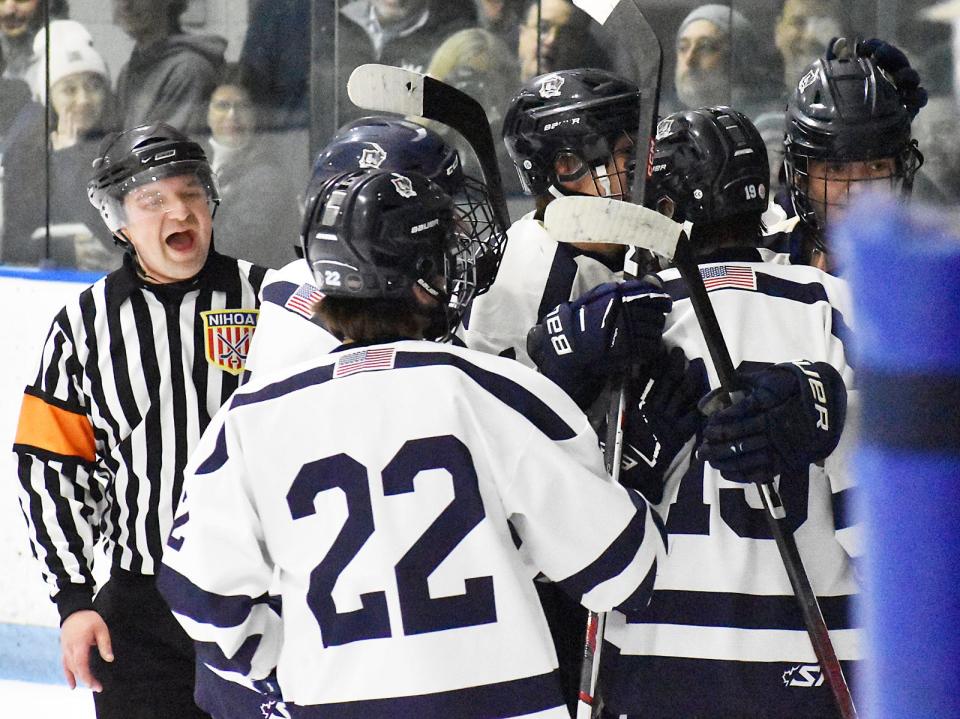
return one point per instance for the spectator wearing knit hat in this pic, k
(81, 105)
(79, 82)
(718, 61)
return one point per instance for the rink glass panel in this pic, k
(300, 54)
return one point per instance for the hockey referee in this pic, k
(130, 375)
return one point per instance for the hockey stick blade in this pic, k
(592, 220)
(385, 88)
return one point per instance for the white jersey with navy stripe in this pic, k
(289, 334)
(390, 486)
(536, 274)
(723, 636)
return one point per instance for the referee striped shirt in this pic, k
(130, 376)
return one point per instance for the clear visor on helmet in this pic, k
(178, 187)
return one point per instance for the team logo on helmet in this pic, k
(550, 86)
(226, 337)
(372, 157)
(664, 127)
(807, 80)
(403, 185)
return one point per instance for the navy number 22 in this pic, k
(419, 612)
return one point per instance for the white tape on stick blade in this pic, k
(599, 10)
(586, 220)
(375, 86)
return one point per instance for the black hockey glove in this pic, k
(584, 342)
(894, 63)
(661, 417)
(791, 416)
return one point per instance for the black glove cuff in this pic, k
(823, 397)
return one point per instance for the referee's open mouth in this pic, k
(181, 241)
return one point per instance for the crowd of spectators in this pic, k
(260, 118)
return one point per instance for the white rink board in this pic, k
(30, 300)
(44, 701)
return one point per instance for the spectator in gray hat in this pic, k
(718, 61)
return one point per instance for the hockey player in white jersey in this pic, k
(288, 329)
(570, 132)
(848, 129)
(410, 492)
(723, 636)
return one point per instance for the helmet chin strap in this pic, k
(121, 240)
(436, 313)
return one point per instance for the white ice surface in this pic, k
(45, 701)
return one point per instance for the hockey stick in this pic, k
(593, 219)
(625, 22)
(385, 88)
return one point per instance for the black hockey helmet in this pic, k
(388, 143)
(711, 164)
(845, 109)
(371, 234)
(138, 156)
(580, 113)
(396, 144)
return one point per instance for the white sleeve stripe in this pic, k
(616, 590)
(725, 643)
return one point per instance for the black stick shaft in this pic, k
(807, 601)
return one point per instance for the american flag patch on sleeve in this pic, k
(303, 300)
(364, 361)
(729, 277)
